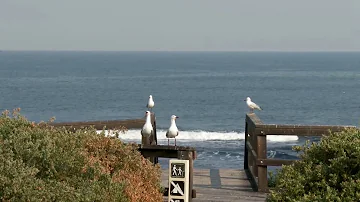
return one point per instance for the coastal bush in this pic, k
(43, 163)
(327, 171)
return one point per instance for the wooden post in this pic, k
(249, 158)
(253, 141)
(155, 160)
(189, 155)
(152, 139)
(246, 163)
(144, 142)
(262, 169)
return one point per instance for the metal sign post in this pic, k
(178, 180)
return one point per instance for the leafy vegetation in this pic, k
(43, 163)
(328, 171)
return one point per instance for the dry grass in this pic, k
(125, 164)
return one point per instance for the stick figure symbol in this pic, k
(174, 170)
(180, 171)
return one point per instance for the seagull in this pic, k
(150, 103)
(173, 131)
(252, 105)
(147, 129)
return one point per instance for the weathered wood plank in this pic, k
(246, 149)
(273, 162)
(165, 151)
(262, 170)
(253, 120)
(252, 179)
(299, 130)
(99, 125)
(323, 127)
(252, 150)
(165, 147)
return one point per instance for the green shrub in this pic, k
(327, 171)
(43, 163)
(271, 179)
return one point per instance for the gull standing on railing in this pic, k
(252, 105)
(173, 131)
(147, 129)
(150, 103)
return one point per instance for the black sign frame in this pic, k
(178, 170)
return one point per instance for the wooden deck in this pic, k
(223, 185)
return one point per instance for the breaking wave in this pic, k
(199, 135)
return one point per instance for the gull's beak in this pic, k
(245, 100)
(177, 117)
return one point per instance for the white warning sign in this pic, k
(178, 181)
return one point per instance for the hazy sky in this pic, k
(223, 25)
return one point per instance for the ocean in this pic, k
(205, 89)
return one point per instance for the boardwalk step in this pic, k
(221, 185)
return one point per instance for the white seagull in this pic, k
(147, 129)
(252, 105)
(173, 131)
(150, 103)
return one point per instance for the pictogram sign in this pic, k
(177, 170)
(178, 180)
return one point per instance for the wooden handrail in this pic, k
(99, 125)
(148, 147)
(256, 162)
(298, 130)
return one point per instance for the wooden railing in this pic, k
(255, 154)
(149, 147)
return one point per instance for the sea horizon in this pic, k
(205, 89)
(190, 51)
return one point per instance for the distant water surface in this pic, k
(205, 89)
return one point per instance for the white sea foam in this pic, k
(202, 136)
(282, 138)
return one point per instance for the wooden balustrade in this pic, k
(149, 147)
(256, 161)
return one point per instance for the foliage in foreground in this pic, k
(43, 163)
(328, 171)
